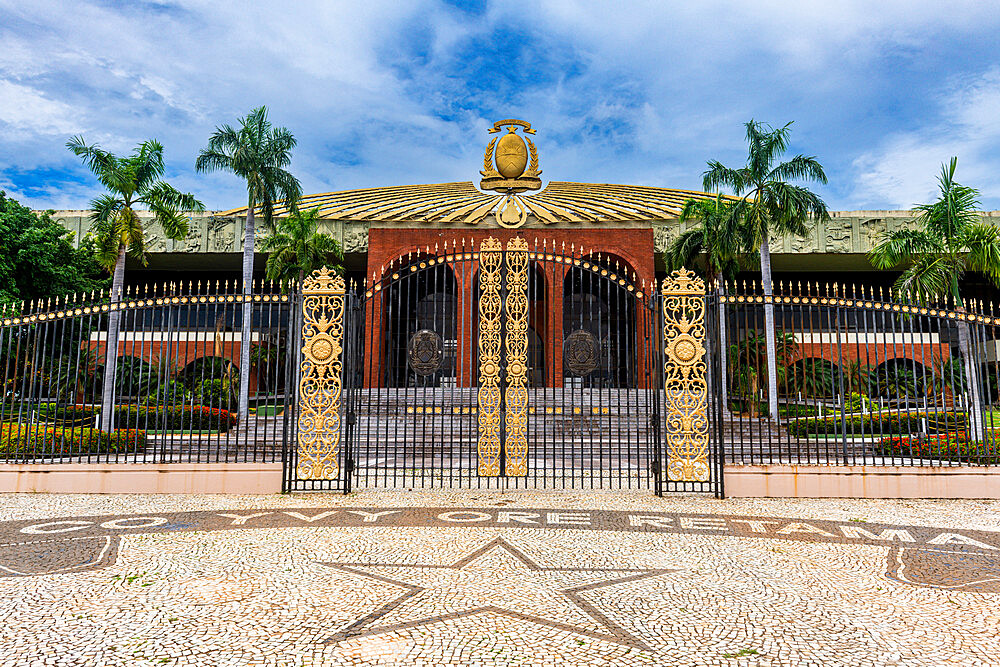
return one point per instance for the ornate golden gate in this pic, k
(447, 370)
(503, 358)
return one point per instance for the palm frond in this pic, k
(901, 246)
(799, 168)
(982, 242)
(106, 243)
(105, 207)
(927, 279)
(684, 250)
(718, 176)
(148, 163)
(100, 162)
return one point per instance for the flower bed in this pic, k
(40, 440)
(154, 417)
(176, 418)
(944, 447)
(884, 423)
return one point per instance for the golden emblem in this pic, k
(320, 386)
(510, 165)
(684, 378)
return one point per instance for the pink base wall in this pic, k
(818, 481)
(236, 478)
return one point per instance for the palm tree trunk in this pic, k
(769, 334)
(111, 347)
(974, 395)
(243, 404)
(723, 352)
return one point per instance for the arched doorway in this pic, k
(599, 323)
(419, 316)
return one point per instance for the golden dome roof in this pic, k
(462, 202)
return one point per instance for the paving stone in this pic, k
(561, 579)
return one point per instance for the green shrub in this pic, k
(10, 411)
(171, 392)
(154, 417)
(42, 440)
(884, 423)
(943, 447)
(175, 418)
(798, 410)
(216, 392)
(860, 403)
(740, 405)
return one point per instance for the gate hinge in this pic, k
(349, 466)
(656, 468)
(352, 418)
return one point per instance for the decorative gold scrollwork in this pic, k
(320, 387)
(516, 342)
(684, 373)
(490, 307)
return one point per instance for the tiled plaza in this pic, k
(480, 578)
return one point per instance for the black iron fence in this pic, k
(176, 377)
(860, 377)
(439, 349)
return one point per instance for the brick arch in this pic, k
(184, 350)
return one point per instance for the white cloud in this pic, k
(23, 109)
(901, 171)
(387, 92)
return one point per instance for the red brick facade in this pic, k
(632, 248)
(179, 352)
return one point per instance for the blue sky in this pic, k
(382, 93)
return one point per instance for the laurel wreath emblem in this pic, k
(488, 169)
(533, 165)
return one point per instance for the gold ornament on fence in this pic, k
(321, 384)
(516, 341)
(490, 307)
(684, 377)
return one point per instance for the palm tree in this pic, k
(769, 205)
(131, 181)
(297, 247)
(723, 241)
(950, 238)
(258, 153)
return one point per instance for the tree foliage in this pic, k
(950, 238)
(133, 182)
(298, 248)
(38, 259)
(766, 202)
(258, 153)
(719, 236)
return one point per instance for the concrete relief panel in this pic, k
(155, 240)
(355, 237)
(871, 232)
(838, 235)
(193, 241)
(800, 244)
(664, 235)
(222, 235)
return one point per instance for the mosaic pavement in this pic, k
(496, 579)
